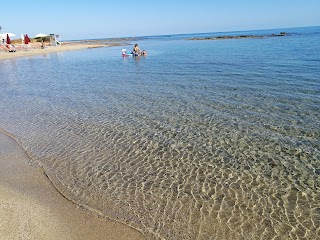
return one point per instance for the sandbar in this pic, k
(32, 208)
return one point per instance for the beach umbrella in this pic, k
(41, 35)
(3, 36)
(9, 34)
(8, 39)
(26, 39)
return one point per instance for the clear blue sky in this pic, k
(120, 18)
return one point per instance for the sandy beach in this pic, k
(31, 49)
(31, 207)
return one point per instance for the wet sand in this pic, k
(32, 208)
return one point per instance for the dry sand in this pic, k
(31, 207)
(35, 49)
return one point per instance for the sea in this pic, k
(200, 139)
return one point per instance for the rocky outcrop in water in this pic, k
(281, 34)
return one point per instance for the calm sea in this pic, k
(197, 140)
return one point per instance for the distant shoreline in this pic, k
(224, 37)
(32, 49)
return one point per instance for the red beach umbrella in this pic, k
(26, 39)
(8, 39)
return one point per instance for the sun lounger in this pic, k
(10, 48)
(24, 47)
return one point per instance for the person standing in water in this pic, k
(136, 50)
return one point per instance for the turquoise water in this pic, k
(198, 140)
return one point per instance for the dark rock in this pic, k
(239, 37)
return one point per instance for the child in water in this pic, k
(144, 53)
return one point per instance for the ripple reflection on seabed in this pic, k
(179, 191)
(181, 156)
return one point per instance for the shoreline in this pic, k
(32, 208)
(33, 49)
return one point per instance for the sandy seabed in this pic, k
(32, 208)
(30, 205)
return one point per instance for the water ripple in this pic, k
(178, 156)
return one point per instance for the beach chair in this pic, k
(10, 48)
(25, 47)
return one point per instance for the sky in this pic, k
(93, 19)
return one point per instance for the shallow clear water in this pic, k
(198, 140)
